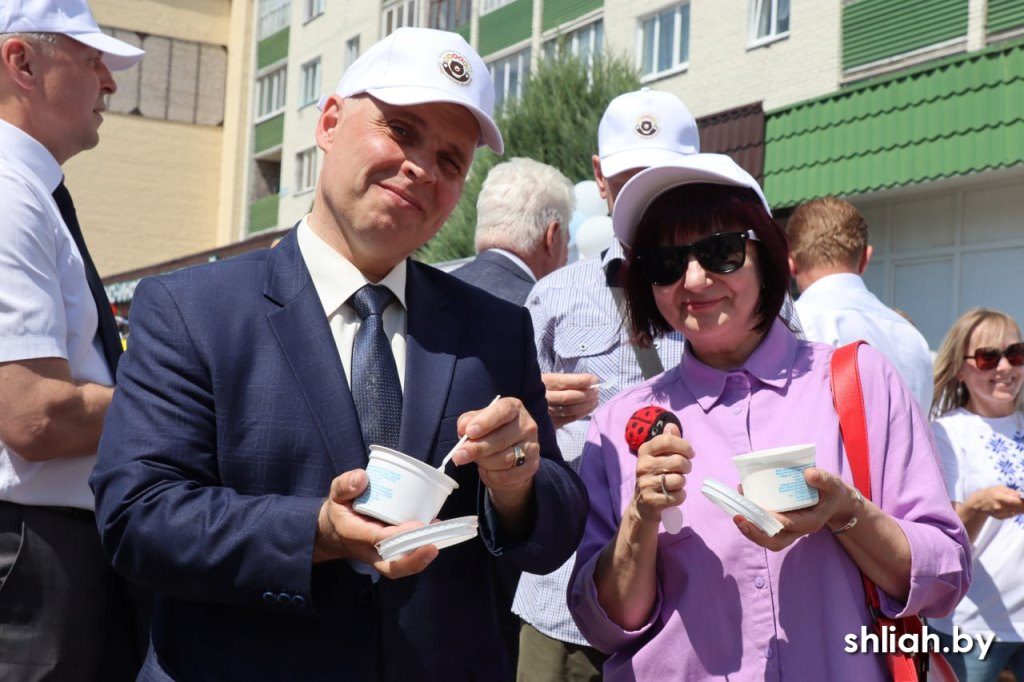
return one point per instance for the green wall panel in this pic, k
(506, 26)
(557, 12)
(272, 49)
(464, 31)
(876, 29)
(269, 134)
(947, 118)
(1004, 15)
(263, 213)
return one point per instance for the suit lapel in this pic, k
(308, 346)
(432, 335)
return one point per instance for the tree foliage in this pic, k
(554, 122)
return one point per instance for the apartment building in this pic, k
(912, 110)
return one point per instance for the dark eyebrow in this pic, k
(419, 121)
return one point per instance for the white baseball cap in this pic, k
(422, 65)
(647, 185)
(645, 128)
(71, 18)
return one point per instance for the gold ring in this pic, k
(520, 456)
(664, 490)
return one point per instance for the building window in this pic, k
(510, 75)
(311, 9)
(399, 14)
(274, 16)
(310, 82)
(664, 41)
(179, 80)
(351, 51)
(491, 5)
(270, 93)
(448, 15)
(586, 43)
(769, 20)
(305, 170)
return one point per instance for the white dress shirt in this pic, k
(46, 309)
(838, 309)
(336, 280)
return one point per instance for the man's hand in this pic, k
(570, 396)
(343, 533)
(503, 444)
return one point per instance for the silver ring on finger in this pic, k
(664, 490)
(520, 459)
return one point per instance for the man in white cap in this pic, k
(62, 611)
(584, 351)
(236, 446)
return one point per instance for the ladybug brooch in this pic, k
(646, 423)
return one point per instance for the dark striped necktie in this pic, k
(106, 327)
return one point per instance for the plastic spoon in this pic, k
(462, 441)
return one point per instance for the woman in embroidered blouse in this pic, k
(979, 430)
(721, 598)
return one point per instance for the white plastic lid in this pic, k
(732, 503)
(441, 534)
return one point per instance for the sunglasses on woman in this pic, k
(720, 253)
(988, 358)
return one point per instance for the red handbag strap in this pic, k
(853, 424)
(848, 397)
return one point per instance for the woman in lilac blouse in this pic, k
(721, 599)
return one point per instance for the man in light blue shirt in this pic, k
(584, 352)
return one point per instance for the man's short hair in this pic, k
(517, 201)
(46, 42)
(827, 232)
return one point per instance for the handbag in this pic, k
(849, 402)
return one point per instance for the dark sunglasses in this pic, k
(988, 358)
(720, 253)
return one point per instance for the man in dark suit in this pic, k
(237, 439)
(522, 228)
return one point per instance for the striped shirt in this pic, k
(578, 329)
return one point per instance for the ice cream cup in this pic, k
(402, 488)
(774, 479)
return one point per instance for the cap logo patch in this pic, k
(646, 125)
(456, 67)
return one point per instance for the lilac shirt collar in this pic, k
(771, 363)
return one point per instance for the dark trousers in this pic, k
(65, 615)
(544, 659)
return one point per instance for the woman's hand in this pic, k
(998, 501)
(876, 542)
(837, 504)
(626, 574)
(662, 464)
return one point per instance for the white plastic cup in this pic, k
(402, 488)
(774, 479)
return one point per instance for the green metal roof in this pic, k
(955, 116)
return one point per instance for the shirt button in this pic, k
(657, 344)
(759, 582)
(737, 410)
(768, 653)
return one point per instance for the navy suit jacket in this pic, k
(231, 417)
(494, 272)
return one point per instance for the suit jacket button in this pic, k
(299, 600)
(284, 598)
(269, 596)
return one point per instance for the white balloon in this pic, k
(594, 235)
(589, 201)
